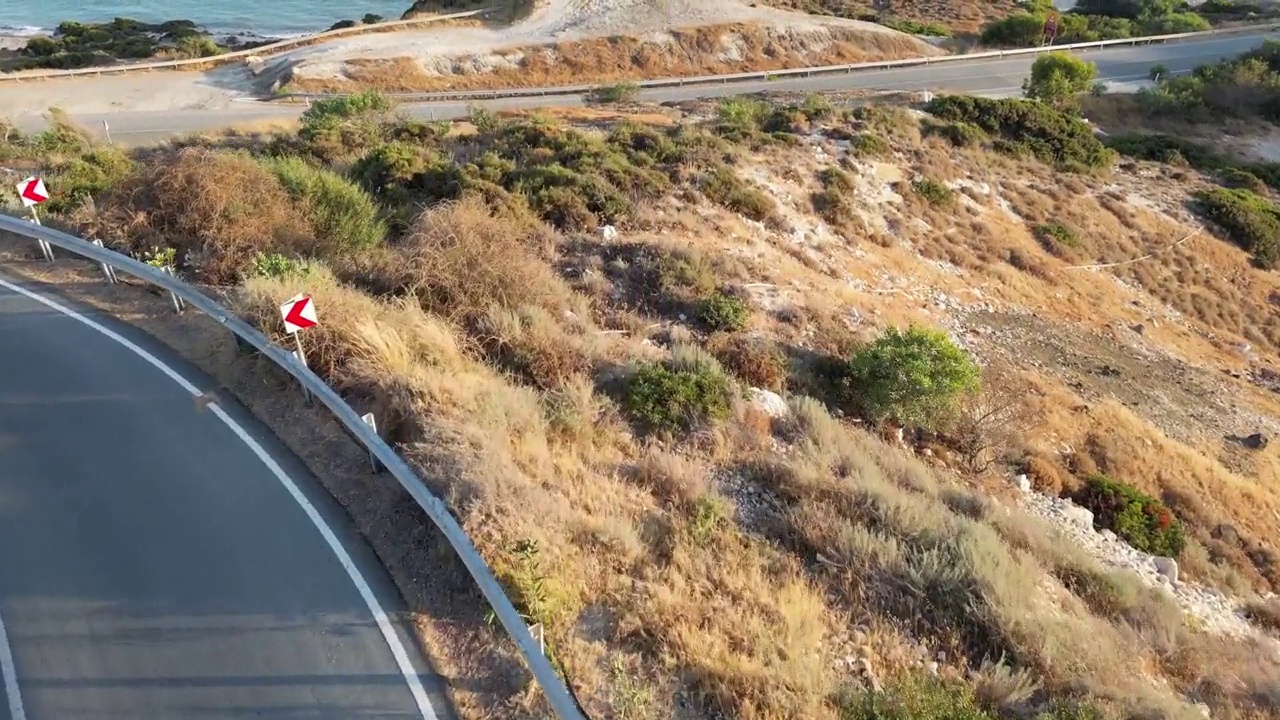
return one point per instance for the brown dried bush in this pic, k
(460, 259)
(216, 209)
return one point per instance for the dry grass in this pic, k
(735, 569)
(959, 15)
(703, 50)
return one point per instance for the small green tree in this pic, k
(1057, 78)
(914, 377)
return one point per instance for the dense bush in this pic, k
(723, 312)
(1057, 78)
(1250, 221)
(84, 44)
(1051, 135)
(343, 216)
(1054, 236)
(1142, 521)
(661, 399)
(340, 127)
(912, 377)
(935, 193)
(77, 179)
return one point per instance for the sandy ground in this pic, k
(555, 22)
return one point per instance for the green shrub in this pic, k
(1017, 30)
(725, 187)
(340, 127)
(1243, 180)
(1141, 520)
(915, 697)
(933, 192)
(723, 312)
(1058, 77)
(343, 216)
(619, 93)
(83, 177)
(740, 118)
(1053, 136)
(1250, 221)
(660, 399)
(959, 134)
(912, 377)
(275, 266)
(1054, 234)
(914, 27)
(1158, 147)
(868, 145)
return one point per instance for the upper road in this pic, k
(996, 77)
(160, 561)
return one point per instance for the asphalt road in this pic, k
(1124, 64)
(161, 563)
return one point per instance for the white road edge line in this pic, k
(380, 616)
(10, 674)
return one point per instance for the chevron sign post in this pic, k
(32, 192)
(299, 313)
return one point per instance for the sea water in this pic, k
(246, 18)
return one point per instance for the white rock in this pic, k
(770, 402)
(1167, 567)
(1083, 516)
(1024, 483)
(609, 232)
(1204, 709)
(1108, 535)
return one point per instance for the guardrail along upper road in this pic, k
(982, 76)
(165, 561)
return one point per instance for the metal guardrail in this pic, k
(259, 51)
(465, 95)
(562, 702)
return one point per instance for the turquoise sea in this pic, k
(247, 18)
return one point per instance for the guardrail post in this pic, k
(108, 271)
(372, 422)
(178, 303)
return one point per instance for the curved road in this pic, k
(1119, 65)
(163, 563)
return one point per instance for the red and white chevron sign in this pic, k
(32, 191)
(299, 313)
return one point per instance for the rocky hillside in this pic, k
(788, 407)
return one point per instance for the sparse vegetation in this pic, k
(579, 395)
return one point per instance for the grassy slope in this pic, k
(760, 568)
